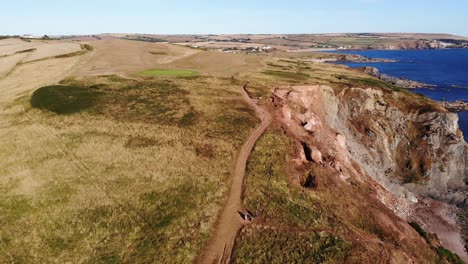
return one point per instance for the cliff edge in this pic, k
(407, 144)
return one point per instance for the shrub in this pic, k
(421, 231)
(448, 256)
(88, 47)
(63, 99)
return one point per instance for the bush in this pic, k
(88, 47)
(421, 231)
(62, 99)
(448, 256)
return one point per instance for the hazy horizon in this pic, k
(227, 34)
(67, 17)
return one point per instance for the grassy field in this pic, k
(167, 72)
(272, 246)
(136, 174)
(300, 227)
(104, 169)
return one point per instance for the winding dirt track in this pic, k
(229, 223)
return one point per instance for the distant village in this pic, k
(248, 49)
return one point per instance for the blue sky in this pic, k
(240, 16)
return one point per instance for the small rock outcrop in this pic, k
(456, 106)
(311, 153)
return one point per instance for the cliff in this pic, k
(421, 150)
(408, 145)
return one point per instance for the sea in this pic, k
(447, 69)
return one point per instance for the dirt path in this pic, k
(229, 223)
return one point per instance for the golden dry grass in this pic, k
(118, 185)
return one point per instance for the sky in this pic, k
(66, 17)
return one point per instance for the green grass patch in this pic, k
(135, 142)
(169, 72)
(369, 82)
(233, 123)
(269, 246)
(287, 75)
(420, 231)
(189, 118)
(13, 208)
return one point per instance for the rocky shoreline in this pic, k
(359, 58)
(402, 82)
(343, 58)
(455, 107)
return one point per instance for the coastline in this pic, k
(456, 214)
(454, 105)
(402, 82)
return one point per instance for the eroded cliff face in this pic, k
(419, 150)
(409, 145)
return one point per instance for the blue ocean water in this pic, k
(445, 68)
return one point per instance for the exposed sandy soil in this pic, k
(43, 49)
(8, 63)
(114, 56)
(31, 76)
(10, 46)
(10, 41)
(30, 51)
(52, 49)
(229, 222)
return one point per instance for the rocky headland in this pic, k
(401, 82)
(359, 58)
